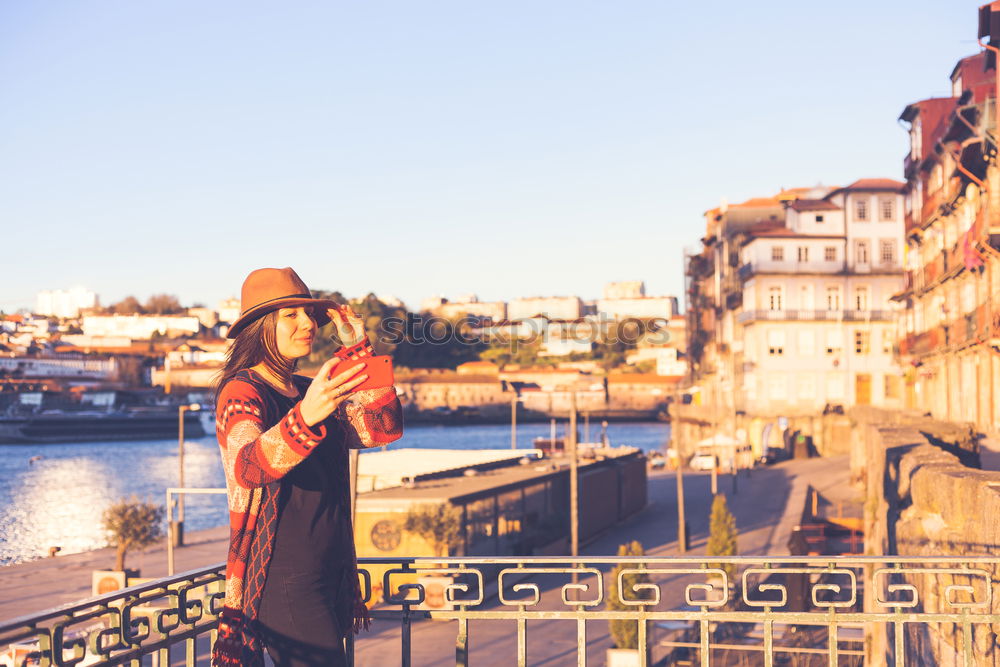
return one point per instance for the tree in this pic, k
(722, 534)
(624, 632)
(132, 524)
(163, 304)
(127, 306)
(440, 524)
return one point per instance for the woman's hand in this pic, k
(326, 393)
(350, 326)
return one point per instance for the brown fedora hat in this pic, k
(265, 290)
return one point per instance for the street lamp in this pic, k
(177, 535)
(514, 400)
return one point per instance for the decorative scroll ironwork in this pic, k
(176, 617)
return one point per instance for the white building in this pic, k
(58, 367)
(816, 322)
(553, 307)
(65, 303)
(229, 310)
(140, 327)
(626, 289)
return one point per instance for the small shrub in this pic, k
(440, 524)
(132, 524)
(625, 633)
(722, 534)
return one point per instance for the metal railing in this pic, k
(173, 493)
(690, 610)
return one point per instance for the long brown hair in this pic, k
(256, 343)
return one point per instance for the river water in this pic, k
(58, 499)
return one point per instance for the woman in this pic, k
(291, 575)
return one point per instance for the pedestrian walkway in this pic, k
(35, 586)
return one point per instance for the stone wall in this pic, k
(925, 496)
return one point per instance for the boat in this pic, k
(80, 426)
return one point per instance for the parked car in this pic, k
(772, 454)
(703, 460)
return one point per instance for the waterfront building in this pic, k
(59, 366)
(790, 301)
(714, 295)
(815, 324)
(504, 510)
(65, 303)
(948, 329)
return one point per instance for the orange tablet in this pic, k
(378, 368)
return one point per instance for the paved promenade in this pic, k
(767, 506)
(49, 582)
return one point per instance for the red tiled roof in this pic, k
(757, 202)
(876, 184)
(813, 205)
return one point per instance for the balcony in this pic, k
(699, 611)
(923, 343)
(745, 272)
(748, 316)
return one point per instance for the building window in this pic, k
(803, 254)
(887, 341)
(806, 346)
(819, 218)
(777, 254)
(887, 251)
(833, 298)
(861, 210)
(861, 298)
(806, 298)
(807, 386)
(830, 253)
(774, 299)
(833, 342)
(861, 342)
(775, 343)
(778, 387)
(861, 252)
(887, 209)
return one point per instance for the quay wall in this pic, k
(924, 496)
(823, 435)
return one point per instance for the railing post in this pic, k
(404, 640)
(462, 643)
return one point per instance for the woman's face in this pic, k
(295, 332)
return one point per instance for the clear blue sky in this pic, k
(413, 148)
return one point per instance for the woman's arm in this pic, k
(371, 417)
(252, 455)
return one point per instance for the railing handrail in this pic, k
(881, 592)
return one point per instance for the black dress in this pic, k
(307, 603)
